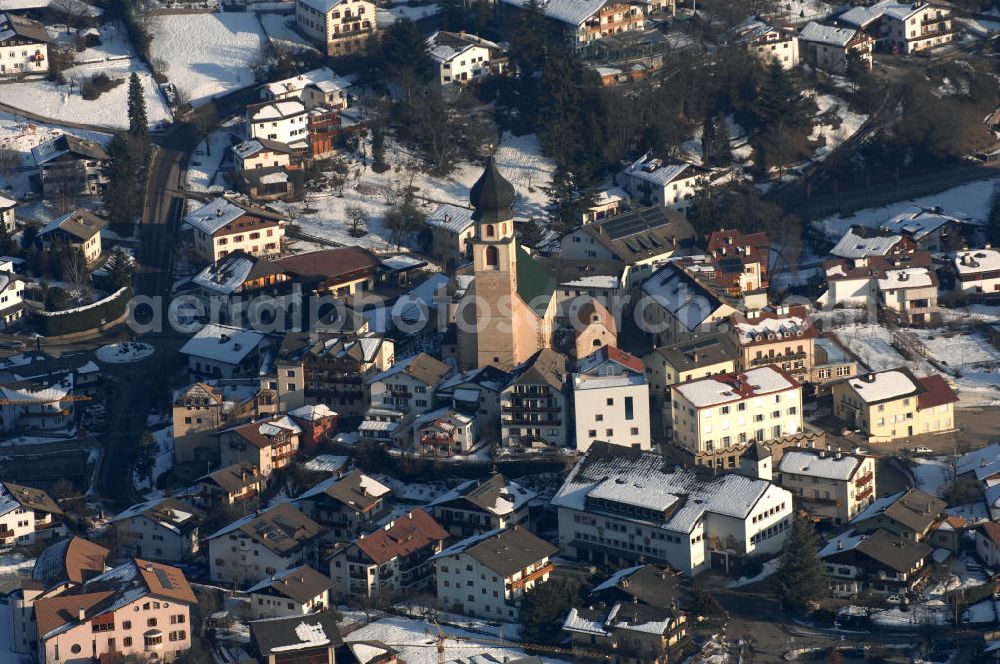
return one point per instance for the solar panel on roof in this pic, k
(164, 580)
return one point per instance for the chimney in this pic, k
(840, 545)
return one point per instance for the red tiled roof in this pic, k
(625, 359)
(83, 556)
(404, 536)
(937, 392)
(166, 581)
(54, 612)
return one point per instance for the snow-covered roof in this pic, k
(451, 218)
(677, 292)
(659, 172)
(327, 463)
(843, 542)
(275, 110)
(816, 464)
(503, 497)
(618, 475)
(572, 12)
(322, 78)
(727, 388)
(322, 6)
(6, 203)
(313, 412)
(861, 16)
(608, 281)
(883, 385)
(222, 343)
(762, 327)
(211, 217)
(970, 461)
(921, 222)
(225, 276)
(909, 277)
(977, 261)
(827, 34)
(852, 245)
(444, 46)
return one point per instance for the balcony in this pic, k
(515, 422)
(830, 502)
(5, 534)
(537, 574)
(864, 495)
(864, 480)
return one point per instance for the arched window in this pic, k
(492, 257)
(503, 228)
(489, 231)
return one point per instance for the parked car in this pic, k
(920, 449)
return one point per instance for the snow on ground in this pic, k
(916, 615)
(769, 568)
(412, 491)
(975, 512)
(401, 10)
(164, 461)
(21, 135)
(416, 641)
(124, 353)
(115, 58)
(983, 612)
(800, 11)
(13, 563)
(872, 344)
(206, 160)
(964, 573)
(972, 199)
(519, 159)
(281, 35)
(208, 54)
(933, 475)
(958, 349)
(850, 122)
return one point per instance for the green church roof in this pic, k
(534, 285)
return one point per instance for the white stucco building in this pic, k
(611, 400)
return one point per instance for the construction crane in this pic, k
(554, 650)
(68, 397)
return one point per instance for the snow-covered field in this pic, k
(203, 169)
(124, 353)
(115, 58)
(972, 199)
(519, 159)
(872, 344)
(401, 10)
(208, 54)
(416, 640)
(850, 122)
(280, 33)
(957, 350)
(933, 475)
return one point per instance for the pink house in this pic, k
(139, 608)
(318, 424)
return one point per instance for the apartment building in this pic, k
(347, 506)
(485, 575)
(393, 559)
(408, 385)
(881, 563)
(903, 27)
(478, 506)
(27, 515)
(297, 591)
(585, 22)
(620, 506)
(283, 121)
(833, 486)
(342, 27)
(611, 400)
(203, 408)
(262, 544)
(533, 409)
(716, 418)
(770, 43)
(164, 529)
(695, 358)
(24, 47)
(269, 444)
(676, 307)
(894, 404)
(140, 609)
(783, 336)
(225, 225)
(668, 182)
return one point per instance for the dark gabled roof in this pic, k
(648, 584)
(534, 285)
(699, 351)
(892, 551)
(32, 498)
(492, 195)
(354, 490)
(299, 584)
(282, 529)
(505, 551)
(233, 478)
(937, 392)
(546, 366)
(316, 630)
(24, 28)
(328, 264)
(642, 233)
(913, 508)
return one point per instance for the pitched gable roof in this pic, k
(401, 537)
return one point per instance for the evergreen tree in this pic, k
(144, 455)
(121, 196)
(138, 124)
(708, 140)
(120, 269)
(801, 580)
(779, 102)
(7, 245)
(544, 609)
(378, 149)
(403, 57)
(452, 15)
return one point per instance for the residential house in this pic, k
(37, 405)
(292, 592)
(444, 432)
(904, 287)
(930, 229)
(783, 336)
(905, 28)
(223, 351)
(635, 614)
(639, 240)
(977, 271)
(865, 241)
(826, 47)
(987, 539)
(318, 424)
(262, 544)
(24, 47)
(676, 307)
(833, 486)
(478, 506)
(163, 529)
(316, 87)
(894, 404)
(294, 639)
(585, 22)
(407, 386)
(832, 362)
(910, 514)
(461, 57)
(71, 166)
(283, 121)
(485, 575)
(740, 261)
(79, 230)
(262, 168)
(139, 609)
(27, 515)
(7, 215)
(477, 393)
(716, 418)
(533, 407)
(620, 506)
(268, 444)
(591, 327)
(341, 271)
(668, 182)
(452, 231)
(12, 306)
(909, 295)
(881, 563)
(236, 281)
(611, 400)
(341, 27)
(202, 408)
(393, 559)
(226, 225)
(347, 506)
(770, 43)
(231, 486)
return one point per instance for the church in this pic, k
(504, 310)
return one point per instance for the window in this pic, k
(629, 409)
(127, 624)
(127, 642)
(492, 258)
(610, 402)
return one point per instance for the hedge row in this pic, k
(81, 319)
